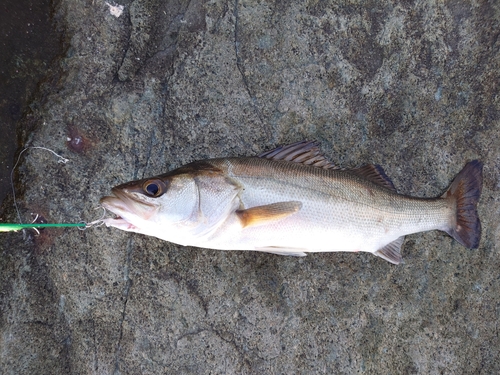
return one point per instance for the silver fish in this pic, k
(291, 201)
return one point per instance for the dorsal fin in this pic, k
(308, 153)
(303, 152)
(375, 174)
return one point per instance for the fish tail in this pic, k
(465, 191)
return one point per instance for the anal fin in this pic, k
(392, 251)
(269, 213)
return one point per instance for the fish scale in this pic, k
(333, 201)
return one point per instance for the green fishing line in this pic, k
(10, 227)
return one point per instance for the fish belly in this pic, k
(316, 227)
(308, 231)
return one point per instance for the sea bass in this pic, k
(291, 201)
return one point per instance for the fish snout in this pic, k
(125, 205)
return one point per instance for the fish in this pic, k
(291, 201)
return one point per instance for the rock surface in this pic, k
(412, 86)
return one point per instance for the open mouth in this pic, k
(115, 206)
(119, 209)
(127, 209)
(120, 224)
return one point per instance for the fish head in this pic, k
(155, 206)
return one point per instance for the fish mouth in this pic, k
(126, 207)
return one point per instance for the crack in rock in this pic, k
(239, 63)
(126, 293)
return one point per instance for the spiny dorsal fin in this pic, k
(392, 251)
(375, 174)
(304, 152)
(269, 213)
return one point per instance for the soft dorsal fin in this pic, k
(375, 174)
(303, 152)
(261, 215)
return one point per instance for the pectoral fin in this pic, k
(392, 251)
(267, 214)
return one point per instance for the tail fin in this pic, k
(466, 190)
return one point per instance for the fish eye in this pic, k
(154, 188)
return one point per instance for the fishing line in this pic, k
(62, 160)
(11, 227)
(8, 227)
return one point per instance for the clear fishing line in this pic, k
(12, 227)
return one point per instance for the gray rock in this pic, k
(413, 87)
